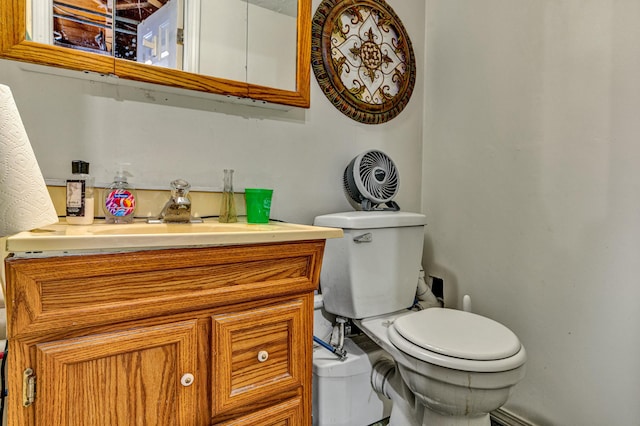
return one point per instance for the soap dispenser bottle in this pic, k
(79, 200)
(119, 199)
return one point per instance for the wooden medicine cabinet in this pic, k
(255, 49)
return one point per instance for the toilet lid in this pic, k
(458, 334)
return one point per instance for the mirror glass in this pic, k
(252, 41)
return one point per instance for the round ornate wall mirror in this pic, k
(363, 59)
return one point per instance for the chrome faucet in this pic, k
(178, 208)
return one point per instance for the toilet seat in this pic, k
(457, 339)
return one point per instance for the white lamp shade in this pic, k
(25, 202)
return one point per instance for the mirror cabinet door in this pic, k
(271, 43)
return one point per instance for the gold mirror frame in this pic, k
(14, 46)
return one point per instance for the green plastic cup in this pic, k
(258, 201)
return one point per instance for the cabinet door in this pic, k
(258, 358)
(139, 376)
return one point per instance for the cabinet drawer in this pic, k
(74, 292)
(258, 356)
(288, 413)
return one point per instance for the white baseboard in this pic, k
(506, 418)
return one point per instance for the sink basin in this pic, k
(140, 235)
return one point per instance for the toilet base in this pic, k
(407, 409)
(433, 418)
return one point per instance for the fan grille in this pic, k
(371, 176)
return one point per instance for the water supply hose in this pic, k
(424, 295)
(341, 322)
(340, 353)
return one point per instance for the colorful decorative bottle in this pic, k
(119, 199)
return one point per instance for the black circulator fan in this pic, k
(371, 181)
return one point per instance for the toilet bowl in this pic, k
(458, 365)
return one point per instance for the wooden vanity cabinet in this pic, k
(187, 336)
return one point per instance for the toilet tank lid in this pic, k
(370, 219)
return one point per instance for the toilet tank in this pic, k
(373, 269)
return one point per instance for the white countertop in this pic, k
(140, 235)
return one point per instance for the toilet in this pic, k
(443, 366)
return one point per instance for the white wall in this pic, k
(300, 153)
(532, 189)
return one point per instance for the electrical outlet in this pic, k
(437, 288)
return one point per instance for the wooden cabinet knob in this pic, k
(263, 356)
(187, 379)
